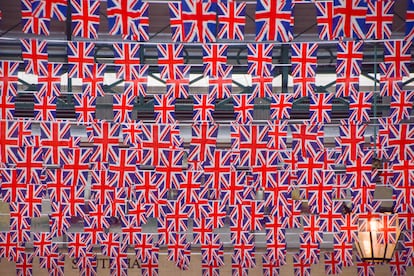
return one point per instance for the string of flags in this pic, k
(207, 21)
(274, 175)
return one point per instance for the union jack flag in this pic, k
(59, 219)
(132, 222)
(252, 140)
(332, 265)
(331, 219)
(349, 18)
(100, 190)
(270, 266)
(33, 200)
(138, 85)
(402, 187)
(281, 106)
(324, 19)
(164, 109)
(149, 266)
(409, 21)
(30, 161)
(75, 195)
(13, 186)
(105, 137)
(351, 140)
(122, 167)
(87, 265)
(304, 68)
(7, 107)
(80, 58)
(199, 20)
(349, 58)
(202, 230)
(220, 86)
(130, 19)
(397, 58)
(132, 134)
(262, 86)
(244, 251)
(8, 77)
(119, 262)
(24, 263)
(144, 246)
(214, 58)
(400, 141)
(387, 83)
(85, 108)
(126, 58)
(215, 170)
(44, 108)
(275, 239)
(308, 248)
(123, 104)
(56, 180)
(342, 249)
(35, 56)
(76, 163)
(233, 187)
(360, 106)
(364, 268)
(177, 85)
(54, 262)
(176, 22)
(49, 81)
(379, 19)
(171, 57)
(277, 135)
(92, 83)
(358, 172)
(55, 137)
(78, 245)
(274, 20)
(231, 19)
(171, 169)
(320, 107)
(350, 227)
(203, 142)
(303, 86)
(304, 59)
(8, 245)
(51, 9)
(85, 18)
(20, 222)
(42, 243)
(179, 250)
(157, 137)
(31, 21)
(259, 59)
(307, 139)
(96, 221)
(203, 109)
(110, 242)
(301, 265)
(243, 108)
(401, 105)
(212, 252)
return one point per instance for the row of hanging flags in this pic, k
(208, 21)
(43, 161)
(81, 64)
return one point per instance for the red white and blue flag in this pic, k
(274, 20)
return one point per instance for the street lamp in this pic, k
(374, 245)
